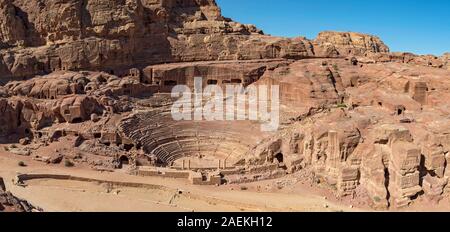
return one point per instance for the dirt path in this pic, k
(174, 195)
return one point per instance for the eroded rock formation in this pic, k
(90, 82)
(113, 35)
(10, 203)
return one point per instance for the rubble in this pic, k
(10, 203)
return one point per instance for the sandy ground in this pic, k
(64, 195)
(171, 195)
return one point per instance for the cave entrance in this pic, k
(279, 157)
(400, 110)
(128, 147)
(77, 120)
(170, 83)
(124, 161)
(236, 81)
(212, 82)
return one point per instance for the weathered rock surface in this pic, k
(41, 37)
(89, 82)
(10, 203)
(348, 43)
(19, 116)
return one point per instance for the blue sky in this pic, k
(418, 26)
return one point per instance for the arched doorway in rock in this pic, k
(279, 157)
(124, 160)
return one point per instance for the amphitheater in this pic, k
(192, 144)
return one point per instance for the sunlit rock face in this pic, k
(109, 35)
(95, 77)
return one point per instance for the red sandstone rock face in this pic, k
(396, 124)
(349, 43)
(112, 35)
(20, 116)
(9, 117)
(12, 32)
(98, 72)
(10, 203)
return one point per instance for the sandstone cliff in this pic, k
(350, 43)
(39, 37)
(95, 76)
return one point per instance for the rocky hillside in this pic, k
(73, 74)
(38, 37)
(10, 203)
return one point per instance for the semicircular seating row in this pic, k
(170, 140)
